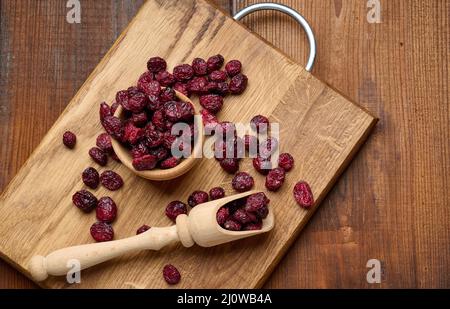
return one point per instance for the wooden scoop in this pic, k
(162, 174)
(199, 227)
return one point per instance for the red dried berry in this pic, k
(147, 85)
(222, 215)
(197, 197)
(182, 88)
(268, 147)
(136, 103)
(183, 72)
(216, 193)
(251, 145)
(199, 66)
(142, 229)
(171, 274)
(218, 76)
(169, 163)
(198, 85)
(209, 120)
(98, 155)
(84, 200)
(259, 123)
(145, 162)
(303, 194)
(113, 126)
(90, 177)
(221, 89)
(227, 130)
(133, 134)
(275, 179)
(106, 210)
(168, 140)
(165, 79)
(121, 96)
(140, 119)
(156, 64)
(262, 165)
(160, 153)
(102, 231)
(104, 142)
(232, 225)
(238, 84)
(154, 102)
(174, 209)
(230, 165)
(286, 161)
(233, 67)
(159, 120)
(212, 102)
(153, 138)
(252, 226)
(105, 110)
(176, 111)
(243, 217)
(139, 150)
(262, 212)
(111, 180)
(215, 63)
(242, 182)
(114, 107)
(69, 139)
(168, 94)
(256, 201)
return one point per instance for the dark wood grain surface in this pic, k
(391, 204)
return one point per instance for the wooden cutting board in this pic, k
(322, 129)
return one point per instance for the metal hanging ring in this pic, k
(294, 14)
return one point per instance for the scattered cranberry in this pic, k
(174, 209)
(106, 210)
(145, 162)
(259, 123)
(105, 110)
(178, 111)
(303, 194)
(209, 120)
(275, 179)
(140, 119)
(183, 72)
(142, 229)
(215, 63)
(286, 161)
(169, 163)
(218, 76)
(147, 85)
(222, 215)
(238, 84)
(198, 85)
(212, 102)
(268, 147)
(171, 274)
(233, 67)
(136, 102)
(165, 79)
(104, 142)
(232, 225)
(84, 200)
(197, 197)
(216, 193)
(113, 126)
(230, 165)
(222, 89)
(98, 155)
(156, 64)
(262, 165)
(69, 139)
(199, 66)
(242, 182)
(90, 177)
(102, 231)
(256, 201)
(111, 180)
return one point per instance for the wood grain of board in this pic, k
(319, 126)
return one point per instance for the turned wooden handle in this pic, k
(91, 254)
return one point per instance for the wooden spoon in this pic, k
(199, 227)
(163, 174)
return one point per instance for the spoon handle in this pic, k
(61, 261)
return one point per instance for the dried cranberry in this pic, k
(140, 119)
(102, 231)
(98, 155)
(111, 180)
(153, 137)
(113, 126)
(90, 177)
(242, 182)
(142, 229)
(216, 193)
(145, 162)
(215, 63)
(303, 194)
(275, 179)
(233, 67)
(133, 134)
(156, 64)
(147, 85)
(286, 161)
(104, 142)
(165, 79)
(241, 216)
(159, 120)
(154, 102)
(121, 96)
(256, 201)
(210, 121)
(182, 88)
(160, 153)
(218, 76)
(251, 145)
(199, 66)
(268, 147)
(197, 197)
(232, 225)
(171, 274)
(198, 85)
(212, 102)
(168, 140)
(238, 83)
(183, 72)
(222, 215)
(252, 226)
(227, 130)
(262, 212)
(176, 111)
(114, 107)
(259, 123)
(136, 102)
(168, 94)
(69, 139)
(174, 209)
(105, 110)
(169, 163)
(139, 150)
(222, 89)
(84, 200)
(262, 165)
(230, 165)
(106, 210)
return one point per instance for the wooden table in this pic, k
(391, 204)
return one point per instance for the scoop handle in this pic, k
(58, 262)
